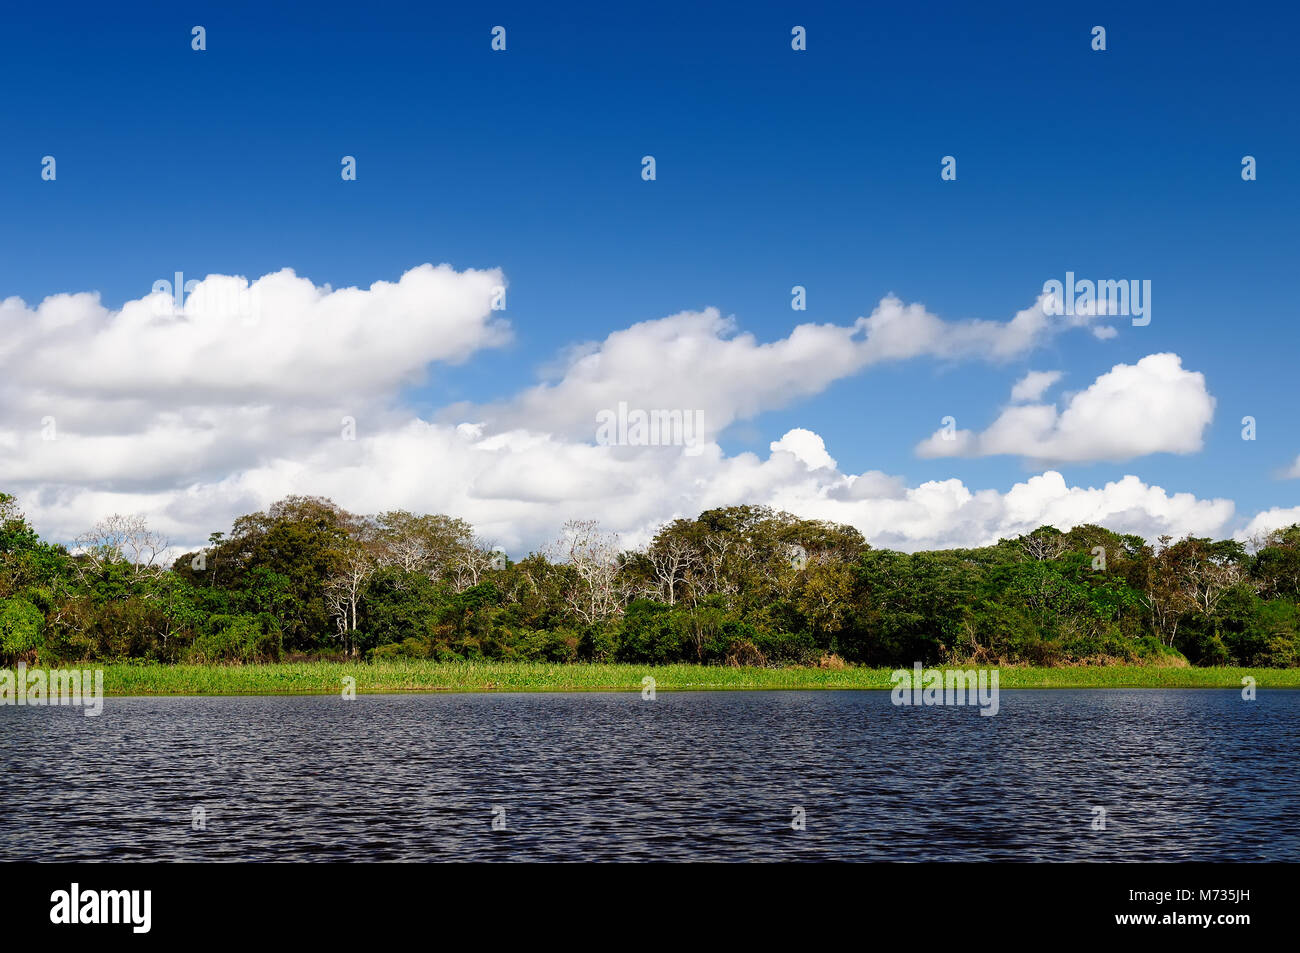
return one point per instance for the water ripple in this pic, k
(1182, 775)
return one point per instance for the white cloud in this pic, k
(195, 418)
(279, 337)
(148, 396)
(518, 487)
(697, 360)
(1264, 523)
(1034, 384)
(806, 446)
(1154, 406)
(947, 513)
(1292, 472)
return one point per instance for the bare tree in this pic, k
(671, 566)
(594, 556)
(356, 564)
(124, 539)
(1191, 576)
(1206, 580)
(431, 544)
(1046, 542)
(469, 563)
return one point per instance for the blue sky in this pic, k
(775, 169)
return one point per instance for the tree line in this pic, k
(736, 585)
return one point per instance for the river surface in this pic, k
(1181, 775)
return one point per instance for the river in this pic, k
(799, 775)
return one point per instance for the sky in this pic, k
(347, 343)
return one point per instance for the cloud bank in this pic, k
(255, 390)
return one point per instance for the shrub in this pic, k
(746, 653)
(651, 632)
(1151, 651)
(560, 645)
(407, 648)
(21, 629)
(239, 638)
(1271, 637)
(797, 647)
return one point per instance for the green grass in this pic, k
(426, 676)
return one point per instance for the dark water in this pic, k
(1183, 775)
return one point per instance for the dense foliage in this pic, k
(737, 585)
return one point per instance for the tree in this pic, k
(1046, 542)
(593, 556)
(354, 566)
(470, 562)
(1277, 563)
(16, 534)
(1165, 596)
(21, 625)
(1191, 576)
(429, 544)
(123, 539)
(298, 543)
(1206, 570)
(672, 562)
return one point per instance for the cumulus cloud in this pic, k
(518, 487)
(279, 336)
(194, 416)
(699, 360)
(946, 513)
(1292, 472)
(1264, 523)
(152, 395)
(805, 446)
(1153, 406)
(1033, 385)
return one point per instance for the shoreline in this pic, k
(429, 677)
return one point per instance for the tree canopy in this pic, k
(735, 585)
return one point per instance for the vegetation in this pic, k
(326, 678)
(740, 586)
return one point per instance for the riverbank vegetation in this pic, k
(421, 675)
(743, 587)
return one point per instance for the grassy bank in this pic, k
(425, 676)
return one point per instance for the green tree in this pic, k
(21, 630)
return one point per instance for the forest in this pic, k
(739, 585)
